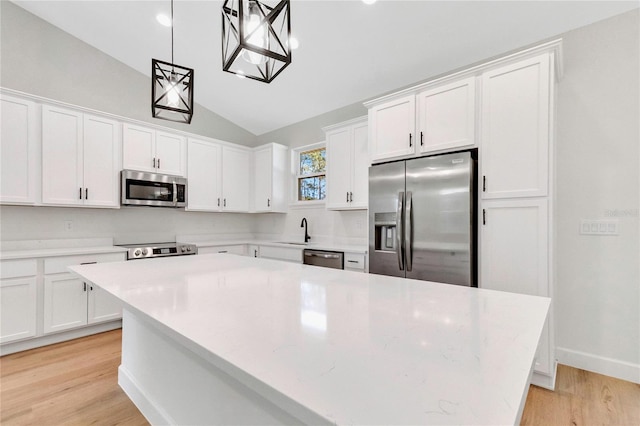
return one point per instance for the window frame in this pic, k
(295, 175)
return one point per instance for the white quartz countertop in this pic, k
(346, 248)
(354, 348)
(35, 250)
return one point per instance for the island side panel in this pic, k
(172, 385)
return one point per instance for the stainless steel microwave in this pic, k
(153, 189)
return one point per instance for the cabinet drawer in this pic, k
(56, 265)
(240, 249)
(354, 261)
(18, 268)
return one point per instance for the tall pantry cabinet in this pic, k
(505, 108)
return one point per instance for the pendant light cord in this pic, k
(172, 32)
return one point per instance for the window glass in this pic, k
(311, 179)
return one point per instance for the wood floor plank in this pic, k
(76, 383)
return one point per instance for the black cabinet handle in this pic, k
(158, 163)
(410, 143)
(268, 202)
(484, 217)
(81, 193)
(224, 203)
(84, 286)
(484, 184)
(347, 196)
(154, 163)
(86, 193)
(218, 202)
(351, 197)
(421, 142)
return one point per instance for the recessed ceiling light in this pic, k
(368, 1)
(163, 19)
(293, 42)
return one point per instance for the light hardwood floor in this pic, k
(75, 383)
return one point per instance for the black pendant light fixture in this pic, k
(255, 38)
(171, 88)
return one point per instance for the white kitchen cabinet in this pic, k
(204, 176)
(20, 147)
(236, 179)
(392, 129)
(153, 151)
(70, 302)
(17, 299)
(447, 116)
(347, 165)
(514, 256)
(219, 177)
(355, 262)
(281, 253)
(270, 173)
(80, 159)
(514, 156)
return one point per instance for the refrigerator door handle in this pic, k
(408, 220)
(400, 230)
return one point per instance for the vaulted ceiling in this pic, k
(349, 51)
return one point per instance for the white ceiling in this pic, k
(349, 52)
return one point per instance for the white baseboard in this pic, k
(154, 414)
(545, 381)
(601, 365)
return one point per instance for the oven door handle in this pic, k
(323, 255)
(175, 193)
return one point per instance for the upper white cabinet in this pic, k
(236, 179)
(348, 165)
(270, 172)
(80, 159)
(515, 129)
(219, 177)
(153, 151)
(446, 116)
(392, 128)
(204, 176)
(19, 144)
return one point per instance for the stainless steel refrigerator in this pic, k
(422, 216)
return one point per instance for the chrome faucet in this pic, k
(307, 237)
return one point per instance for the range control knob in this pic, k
(188, 248)
(137, 253)
(144, 251)
(182, 249)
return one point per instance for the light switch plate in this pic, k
(598, 227)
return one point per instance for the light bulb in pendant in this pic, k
(257, 38)
(173, 97)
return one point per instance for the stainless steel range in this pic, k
(151, 250)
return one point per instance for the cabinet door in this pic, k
(263, 179)
(446, 116)
(339, 173)
(392, 129)
(203, 175)
(65, 302)
(170, 153)
(513, 256)
(139, 148)
(101, 161)
(102, 306)
(360, 167)
(19, 141)
(62, 156)
(17, 308)
(515, 129)
(236, 173)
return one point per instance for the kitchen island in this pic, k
(225, 339)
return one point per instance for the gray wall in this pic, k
(40, 59)
(597, 162)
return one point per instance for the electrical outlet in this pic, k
(68, 225)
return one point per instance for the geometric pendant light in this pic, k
(255, 38)
(171, 88)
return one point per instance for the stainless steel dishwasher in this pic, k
(327, 259)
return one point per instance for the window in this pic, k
(311, 164)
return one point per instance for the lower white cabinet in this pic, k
(514, 257)
(281, 253)
(354, 262)
(18, 299)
